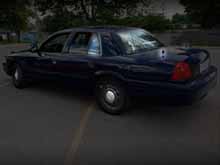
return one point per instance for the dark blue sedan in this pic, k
(119, 62)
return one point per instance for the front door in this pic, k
(45, 65)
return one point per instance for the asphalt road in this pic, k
(51, 124)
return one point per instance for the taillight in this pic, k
(182, 71)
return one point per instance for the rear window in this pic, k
(135, 41)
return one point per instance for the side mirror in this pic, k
(35, 48)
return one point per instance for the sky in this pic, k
(170, 7)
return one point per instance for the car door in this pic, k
(45, 64)
(82, 51)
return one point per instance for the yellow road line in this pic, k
(84, 118)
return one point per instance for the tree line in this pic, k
(59, 14)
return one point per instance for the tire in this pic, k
(18, 78)
(111, 97)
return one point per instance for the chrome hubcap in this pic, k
(110, 97)
(16, 74)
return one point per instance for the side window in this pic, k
(94, 46)
(110, 46)
(85, 43)
(55, 44)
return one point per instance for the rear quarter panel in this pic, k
(129, 69)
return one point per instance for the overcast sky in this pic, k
(170, 7)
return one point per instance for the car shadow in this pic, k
(139, 105)
(167, 110)
(63, 91)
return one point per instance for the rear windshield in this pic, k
(136, 41)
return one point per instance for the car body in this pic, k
(119, 61)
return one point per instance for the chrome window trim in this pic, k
(100, 43)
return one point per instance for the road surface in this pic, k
(47, 124)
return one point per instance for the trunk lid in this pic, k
(161, 62)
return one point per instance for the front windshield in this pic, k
(136, 41)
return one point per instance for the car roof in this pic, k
(98, 29)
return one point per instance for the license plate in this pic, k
(204, 66)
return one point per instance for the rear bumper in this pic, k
(194, 89)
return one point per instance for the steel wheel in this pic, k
(17, 78)
(111, 96)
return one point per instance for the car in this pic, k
(119, 62)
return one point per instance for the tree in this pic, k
(52, 23)
(14, 15)
(180, 19)
(92, 11)
(206, 13)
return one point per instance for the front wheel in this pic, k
(18, 78)
(111, 96)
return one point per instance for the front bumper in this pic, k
(194, 89)
(6, 68)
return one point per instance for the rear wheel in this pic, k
(18, 78)
(111, 96)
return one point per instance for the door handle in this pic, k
(54, 62)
